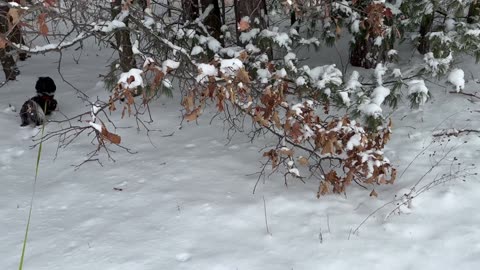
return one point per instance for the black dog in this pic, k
(34, 110)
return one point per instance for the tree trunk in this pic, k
(255, 9)
(362, 53)
(122, 37)
(190, 8)
(6, 58)
(213, 20)
(425, 27)
(473, 12)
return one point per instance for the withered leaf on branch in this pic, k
(286, 152)
(328, 147)
(193, 115)
(273, 156)
(296, 131)
(243, 76)
(243, 25)
(323, 189)
(42, 24)
(303, 161)
(188, 103)
(111, 137)
(111, 105)
(276, 120)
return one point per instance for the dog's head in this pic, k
(45, 85)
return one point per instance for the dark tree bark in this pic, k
(214, 18)
(425, 27)
(190, 8)
(6, 57)
(122, 38)
(362, 53)
(255, 9)
(473, 12)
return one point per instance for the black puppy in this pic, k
(34, 110)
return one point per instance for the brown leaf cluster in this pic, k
(301, 127)
(374, 19)
(111, 137)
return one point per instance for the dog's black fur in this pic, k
(34, 110)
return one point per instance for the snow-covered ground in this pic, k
(185, 201)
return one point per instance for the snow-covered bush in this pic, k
(329, 125)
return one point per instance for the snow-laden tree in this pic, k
(228, 56)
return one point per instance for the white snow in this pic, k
(380, 71)
(371, 109)
(204, 71)
(131, 79)
(300, 81)
(345, 98)
(353, 82)
(196, 50)
(456, 77)
(379, 94)
(230, 66)
(264, 75)
(213, 44)
(418, 87)
(169, 65)
(185, 201)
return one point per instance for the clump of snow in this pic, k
(252, 48)
(214, 45)
(345, 98)
(355, 27)
(300, 81)
(353, 82)
(204, 71)
(131, 79)
(167, 83)
(456, 77)
(380, 70)
(450, 24)
(392, 52)
(281, 73)
(148, 20)
(354, 141)
(230, 66)
(436, 65)
(418, 87)
(370, 109)
(397, 73)
(249, 35)
(323, 75)
(109, 26)
(281, 38)
(196, 50)
(294, 171)
(264, 75)
(169, 65)
(289, 61)
(135, 49)
(379, 94)
(473, 32)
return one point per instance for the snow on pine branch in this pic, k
(53, 46)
